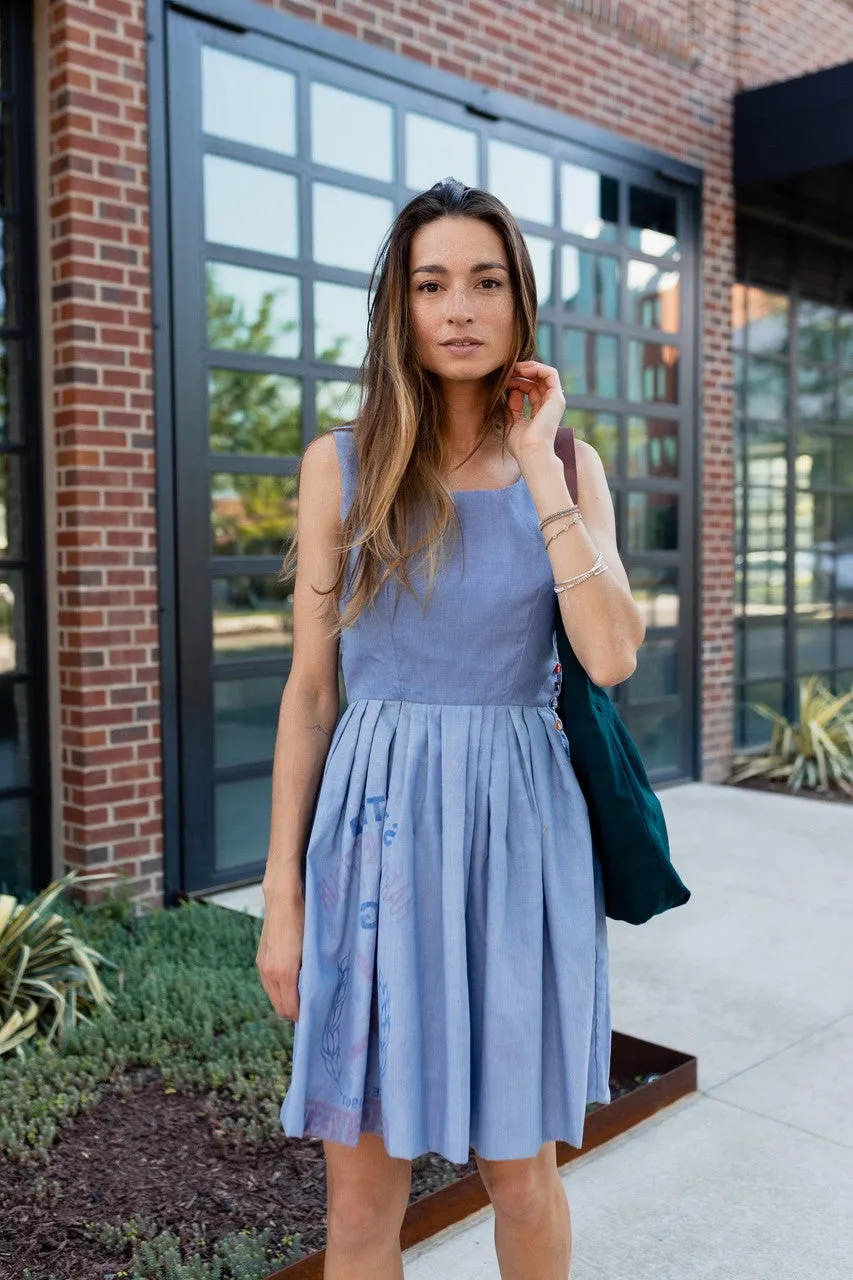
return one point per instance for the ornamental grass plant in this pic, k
(814, 752)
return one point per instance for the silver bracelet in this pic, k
(597, 568)
(555, 515)
(562, 529)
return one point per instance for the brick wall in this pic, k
(661, 72)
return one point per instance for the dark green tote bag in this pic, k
(629, 833)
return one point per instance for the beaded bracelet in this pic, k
(562, 529)
(598, 567)
(555, 515)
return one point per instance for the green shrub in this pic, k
(815, 751)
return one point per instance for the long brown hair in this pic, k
(399, 445)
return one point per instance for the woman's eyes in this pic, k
(431, 285)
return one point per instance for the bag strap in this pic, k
(564, 447)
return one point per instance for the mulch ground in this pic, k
(164, 1157)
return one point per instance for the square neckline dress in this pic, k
(454, 989)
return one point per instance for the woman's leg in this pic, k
(367, 1194)
(533, 1230)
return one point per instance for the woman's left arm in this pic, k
(602, 621)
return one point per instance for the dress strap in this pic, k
(349, 466)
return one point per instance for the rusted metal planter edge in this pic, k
(677, 1077)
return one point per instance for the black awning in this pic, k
(791, 128)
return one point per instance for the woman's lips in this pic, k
(463, 347)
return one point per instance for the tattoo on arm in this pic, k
(321, 728)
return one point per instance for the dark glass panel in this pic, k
(589, 283)
(590, 364)
(251, 515)
(756, 730)
(652, 521)
(11, 506)
(657, 594)
(816, 399)
(654, 296)
(14, 735)
(764, 647)
(656, 733)
(766, 389)
(843, 461)
(814, 460)
(657, 669)
(252, 618)
(653, 447)
(15, 847)
(545, 343)
(246, 718)
(242, 822)
(814, 645)
(653, 223)
(816, 333)
(13, 652)
(765, 448)
(652, 372)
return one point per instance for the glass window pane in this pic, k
(248, 101)
(844, 518)
(589, 283)
(814, 645)
(814, 460)
(652, 372)
(845, 398)
(11, 506)
(657, 595)
(523, 179)
(656, 733)
(14, 736)
(764, 644)
(765, 454)
(15, 847)
(251, 515)
(755, 729)
(351, 132)
(813, 519)
(545, 343)
(11, 391)
(13, 652)
(657, 669)
(435, 149)
(8, 254)
(816, 332)
(653, 223)
(590, 364)
(845, 339)
(601, 430)
(340, 323)
(843, 461)
(653, 447)
(250, 207)
(252, 617)
(245, 719)
(816, 398)
(653, 296)
(589, 203)
(254, 412)
(337, 402)
(760, 320)
(250, 310)
(348, 226)
(652, 522)
(844, 639)
(766, 389)
(542, 256)
(814, 577)
(243, 811)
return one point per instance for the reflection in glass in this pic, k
(245, 719)
(337, 402)
(760, 320)
(523, 179)
(845, 629)
(765, 647)
(845, 339)
(766, 389)
(250, 207)
(601, 430)
(653, 447)
(11, 506)
(816, 393)
(590, 364)
(542, 254)
(435, 149)
(813, 462)
(249, 310)
(652, 522)
(252, 618)
(351, 132)
(813, 519)
(653, 223)
(16, 875)
(251, 515)
(816, 332)
(652, 372)
(814, 644)
(589, 283)
(15, 755)
(845, 398)
(11, 391)
(242, 822)
(248, 101)
(844, 460)
(589, 203)
(755, 729)
(656, 733)
(657, 669)
(765, 454)
(844, 518)
(545, 343)
(8, 258)
(340, 323)
(13, 655)
(653, 296)
(254, 412)
(656, 593)
(348, 226)
(814, 577)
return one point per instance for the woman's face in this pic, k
(460, 298)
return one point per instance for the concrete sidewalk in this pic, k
(751, 1178)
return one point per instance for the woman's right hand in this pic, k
(279, 957)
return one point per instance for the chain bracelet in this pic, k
(597, 568)
(556, 515)
(562, 529)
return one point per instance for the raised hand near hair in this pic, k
(541, 385)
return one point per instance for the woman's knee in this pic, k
(522, 1190)
(367, 1193)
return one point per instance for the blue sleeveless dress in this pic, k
(454, 989)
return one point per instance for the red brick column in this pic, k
(100, 411)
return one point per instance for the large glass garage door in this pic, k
(286, 170)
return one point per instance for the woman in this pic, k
(442, 945)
